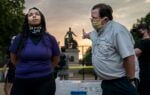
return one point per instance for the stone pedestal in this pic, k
(72, 55)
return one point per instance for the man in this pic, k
(143, 52)
(113, 55)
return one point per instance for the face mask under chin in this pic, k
(140, 35)
(35, 30)
(34, 25)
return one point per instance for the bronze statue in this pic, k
(69, 41)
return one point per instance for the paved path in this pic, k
(75, 77)
(1, 89)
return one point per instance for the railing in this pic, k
(75, 72)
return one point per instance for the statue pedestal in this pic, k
(73, 55)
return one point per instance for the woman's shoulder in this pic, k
(50, 36)
(18, 36)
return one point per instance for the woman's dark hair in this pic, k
(25, 29)
(104, 10)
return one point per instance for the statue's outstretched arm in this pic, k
(74, 34)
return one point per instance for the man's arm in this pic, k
(129, 65)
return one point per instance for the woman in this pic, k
(34, 53)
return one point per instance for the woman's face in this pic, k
(34, 17)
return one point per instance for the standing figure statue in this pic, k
(69, 41)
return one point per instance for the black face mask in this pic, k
(35, 34)
(140, 35)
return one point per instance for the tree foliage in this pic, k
(87, 58)
(11, 18)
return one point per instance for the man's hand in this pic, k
(134, 82)
(85, 35)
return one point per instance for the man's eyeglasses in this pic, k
(95, 19)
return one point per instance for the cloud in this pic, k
(31, 3)
(147, 1)
(127, 13)
(62, 14)
(127, 0)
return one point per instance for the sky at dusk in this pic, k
(62, 14)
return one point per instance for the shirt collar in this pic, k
(103, 28)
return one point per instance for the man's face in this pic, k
(95, 19)
(95, 14)
(34, 17)
(140, 33)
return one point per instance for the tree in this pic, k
(87, 58)
(11, 19)
(147, 19)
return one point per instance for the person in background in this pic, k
(142, 50)
(34, 53)
(10, 75)
(113, 55)
(63, 72)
